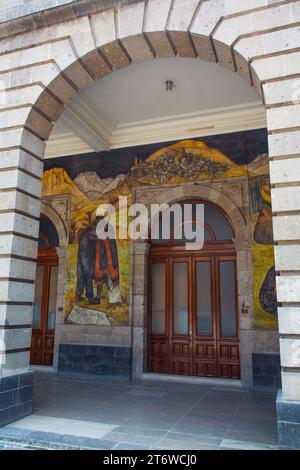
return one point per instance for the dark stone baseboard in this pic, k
(97, 360)
(288, 423)
(266, 371)
(16, 393)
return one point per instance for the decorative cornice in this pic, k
(84, 109)
(65, 144)
(26, 17)
(92, 133)
(84, 131)
(183, 126)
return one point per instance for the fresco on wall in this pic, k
(264, 290)
(98, 271)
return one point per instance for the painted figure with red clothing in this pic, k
(98, 263)
(107, 264)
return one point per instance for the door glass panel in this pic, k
(203, 293)
(180, 295)
(227, 298)
(159, 298)
(38, 295)
(52, 298)
(207, 235)
(218, 223)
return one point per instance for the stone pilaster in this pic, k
(245, 304)
(283, 123)
(20, 173)
(139, 308)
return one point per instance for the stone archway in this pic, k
(51, 213)
(56, 61)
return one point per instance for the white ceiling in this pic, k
(131, 106)
(138, 92)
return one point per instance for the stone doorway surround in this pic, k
(231, 196)
(57, 210)
(43, 68)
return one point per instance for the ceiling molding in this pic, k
(86, 110)
(182, 126)
(65, 144)
(92, 132)
(79, 127)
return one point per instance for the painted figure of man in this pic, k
(107, 264)
(98, 261)
(86, 264)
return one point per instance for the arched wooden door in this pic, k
(192, 304)
(44, 308)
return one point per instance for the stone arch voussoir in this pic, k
(51, 213)
(135, 33)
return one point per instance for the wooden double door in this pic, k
(192, 312)
(44, 308)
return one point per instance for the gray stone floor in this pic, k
(109, 414)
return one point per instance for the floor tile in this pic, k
(132, 438)
(189, 441)
(39, 423)
(64, 426)
(126, 446)
(145, 414)
(154, 423)
(211, 430)
(256, 436)
(241, 445)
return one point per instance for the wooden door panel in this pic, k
(49, 341)
(158, 347)
(36, 340)
(48, 359)
(211, 370)
(42, 343)
(204, 350)
(158, 356)
(235, 372)
(180, 349)
(201, 351)
(225, 371)
(229, 352)
(204, 369)
(36, 357)
(229, 360)
(228, 371)
(158, 366)
(205, 359)
(181, 367)
(181, 357)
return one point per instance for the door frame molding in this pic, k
(229, 195)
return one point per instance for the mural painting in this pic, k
(264, 288)
(98, 272)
